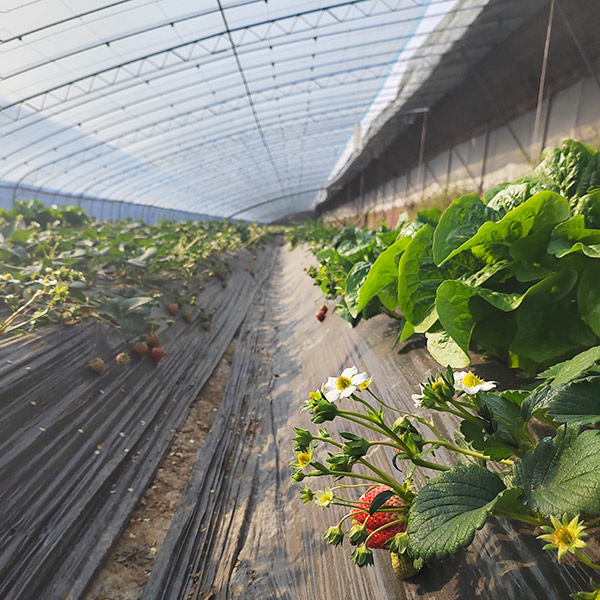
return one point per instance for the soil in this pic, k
(129, 564)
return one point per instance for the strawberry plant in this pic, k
(60, 266)
(494, 465)
(488, 273)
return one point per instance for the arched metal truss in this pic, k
(238, 108)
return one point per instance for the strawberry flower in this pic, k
(324, 498)
(563, 536)
(336, 388)
(471, 384)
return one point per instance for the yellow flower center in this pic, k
(437, 385)
(471, 380)
(343, 383)
(303, 459)
(564, 537)
(326, 497)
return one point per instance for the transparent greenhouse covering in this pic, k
(231, 108)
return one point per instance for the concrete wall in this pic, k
(498, 155)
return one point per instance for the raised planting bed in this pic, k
(242, 531)
(78, 449)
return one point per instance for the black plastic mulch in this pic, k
(78, 450)
(241, 531)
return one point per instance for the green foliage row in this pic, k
(514, 274)
(60, 265)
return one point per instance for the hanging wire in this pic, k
(538, 110)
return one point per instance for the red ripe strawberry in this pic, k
(359, 516)
(320, 316)
(157, 354)
(141, 349)
(218, 275)
(173, 308)
(323, 309)
(123, 359)
(153, 340)
(246, 269)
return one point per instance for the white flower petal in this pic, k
(359, 378)
(488, 385)
(330, 384)
(346, 393)
(332, 395)
(349, 372)
(459, 376)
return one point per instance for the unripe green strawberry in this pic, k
(360, 514)
(96, 365)
(403, 565)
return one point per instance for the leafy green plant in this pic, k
(500, 467)
(57, 265)
(488, 273)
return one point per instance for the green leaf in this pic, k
(430, 216)
(448, 511)
(505, 415)
(452, 306)
(383, 273)
(572, 369)
(562, 475)
(485, 442)
(589, 205)
(445, 350)
(574, 403)
(388, 296)
(380, 500)
(572, 236)
(418, 280)
(458, 224)
(354, 282)
(455, 312)
(142, 260)
(129, 304)
(541, 210)
(548, 302)
(588, 296)
(134, 322)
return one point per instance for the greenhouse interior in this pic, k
(300, 300)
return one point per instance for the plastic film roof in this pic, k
(232, 108)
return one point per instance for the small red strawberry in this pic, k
(323, 309)
(173, 309)
(246, 269)
(320, 316)
(96, 365)
(123, 359)
(157, 354)
(373, 522)
(218, 275)
(153, 340)
(141, 349)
